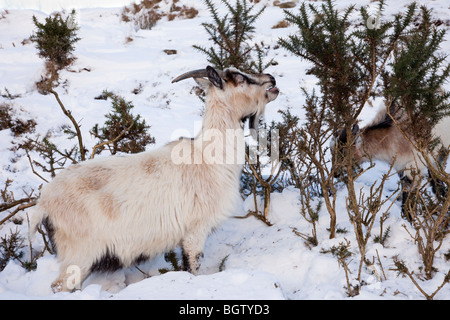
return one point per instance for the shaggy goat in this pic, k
(113, 212)
(383, 140)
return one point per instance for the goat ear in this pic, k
(355, 129)
(355, 132)
(214, 77)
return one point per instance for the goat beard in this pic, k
(253, 121)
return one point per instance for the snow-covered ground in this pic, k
(244, 258)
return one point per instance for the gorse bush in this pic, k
(122, 131)
(55, 39)
(354, 65)
(231, 36)
(419, 71)
(396, 60)
(324, 41)
(16, 125)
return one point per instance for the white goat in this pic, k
(113, 212)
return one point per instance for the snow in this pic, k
(244, 258)
(56, 5)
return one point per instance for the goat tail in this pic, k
(38, 214)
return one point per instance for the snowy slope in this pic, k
(48, 6)
(258, 262)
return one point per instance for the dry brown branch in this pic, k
(68, 114)
(362, 211)
(403, 269)
(256, 215)
(32, 167)
(111, 141)
(310, 157)
(379, 261)
(9, 202)
(429, 217)
(256, 172)
(21, 207)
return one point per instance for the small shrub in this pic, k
(17, 126)
(11, 248)
(55, 39)
(231, 36)
(54, 159)
(144, 15)
(147, 13)
(342, 253)
(171, 257)
(122, 132)
(181, 12)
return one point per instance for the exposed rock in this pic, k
(284, 5)
(170, 51)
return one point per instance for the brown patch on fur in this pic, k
(149, 166)
(66, 210)
(97, 178)
(375, 141)
(109, 206)
(384, 141)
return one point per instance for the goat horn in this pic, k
(200, 73)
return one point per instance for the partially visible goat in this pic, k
(383, 140)
(113, 212)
